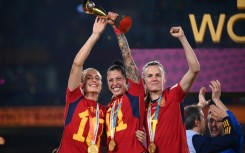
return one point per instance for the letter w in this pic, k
(207, 21)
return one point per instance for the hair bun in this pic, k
(118, 62)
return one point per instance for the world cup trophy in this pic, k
(122, 22)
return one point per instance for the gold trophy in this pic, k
(123, 23)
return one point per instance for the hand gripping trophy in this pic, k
(123, 22)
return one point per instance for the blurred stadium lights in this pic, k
(80, 8)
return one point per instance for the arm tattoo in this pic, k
(130, 67)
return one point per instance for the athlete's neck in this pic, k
(155, 95)
(92, 96)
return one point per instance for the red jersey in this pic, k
(129, 119)
(78, 113)
(170, 136)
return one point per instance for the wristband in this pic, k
(117, 31)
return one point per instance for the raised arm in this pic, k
(194, 66)
(77, 66)
(202, 102)
(130, 66)
(216, 93)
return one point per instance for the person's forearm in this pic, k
(130, 67)
(192, 60)
(194, 66)
(228, 126)
(219, 103)
(85, 50)
(76, 70)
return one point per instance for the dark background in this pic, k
(40, 38)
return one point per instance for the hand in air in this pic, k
(176, 32)
(112, 17)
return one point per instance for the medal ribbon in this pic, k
(151, 127)
(113, 117)
(94, 131)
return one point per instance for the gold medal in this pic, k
(112, 145)
(93, 149)
(152, 147)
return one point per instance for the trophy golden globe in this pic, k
(122, 22)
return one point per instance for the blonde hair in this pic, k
(153, 63)
(86, 70)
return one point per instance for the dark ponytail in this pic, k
(118, 65)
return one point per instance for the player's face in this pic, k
(116, 82)
(154, 78)
(215, 127)
(92, 82)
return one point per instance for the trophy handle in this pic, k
(88, 6)
(123, 23)
(99, 11)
